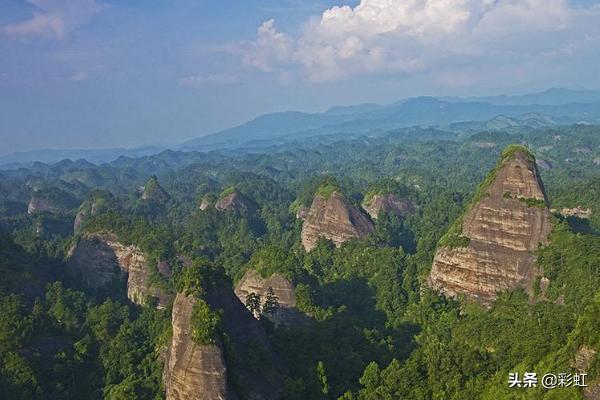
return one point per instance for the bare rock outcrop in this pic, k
(51, 200)
(335, 219)
(495, 241)
(193, 371)
(93, 206)
(204, 372)
(302, 212)
(204, 203)
(102, 260)
(286, 313)
(232, 200)
(388, 204)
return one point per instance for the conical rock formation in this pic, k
(491, 248)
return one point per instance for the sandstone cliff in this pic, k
(335, 219)
(232, 200)
(491, 248)
(102, 261)
(245, 367)
(283, 289)
(51, 200)
(193, 371)
(389, 204)
(93, 206)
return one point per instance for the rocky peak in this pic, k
(332, 217)
(283, 289)
(232, 200)
(51, 200)
(103, 261)
(388, 204)
(194, 371)
(152, 191)
(491, 247)
(93, 206)
(205, 202)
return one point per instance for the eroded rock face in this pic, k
(234, 201)
(302, 213)
(334, 219)
(389, 204)
(503, 231)
(37, 205)
(282, 287)
(102, 260)
(204, 204)
(192, 371)
(195, 371)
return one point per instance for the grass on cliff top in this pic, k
(227, 192)
(326, 190)
(454, 237)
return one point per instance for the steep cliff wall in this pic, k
(232, 200)
(492, 247)
(193, 371)
(102, 259)
(335, 219)
(282, 287)
(389, 204)
(242, 366)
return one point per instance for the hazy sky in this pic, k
(111, 73)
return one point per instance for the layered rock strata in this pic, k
(498, 235)
(193, 371)
(102, 260)
(388, 204)
(204, 372)
(286, 312)
(335, 219)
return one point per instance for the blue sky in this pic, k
(98, 74)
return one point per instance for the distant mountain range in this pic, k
(551, 107)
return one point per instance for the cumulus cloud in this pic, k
(54, 19)
(412, 36)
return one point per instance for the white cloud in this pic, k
(54, 19)
(79, 76)
(416, 36)
(202, 80)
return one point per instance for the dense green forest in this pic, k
(376, 330)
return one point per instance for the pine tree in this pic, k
(271, 302)
(253, 304)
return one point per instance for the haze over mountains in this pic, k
(551, 107)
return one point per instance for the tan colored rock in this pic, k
(282, 287)
(102, 260)
(302, 212)
(334, 219)
(192, 371)
(204, 204)
(233, 201)
(583, 358)
(389, 204)
(37, 205)
(504, 233)
(578, 212)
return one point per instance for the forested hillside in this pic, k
(112, 274)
